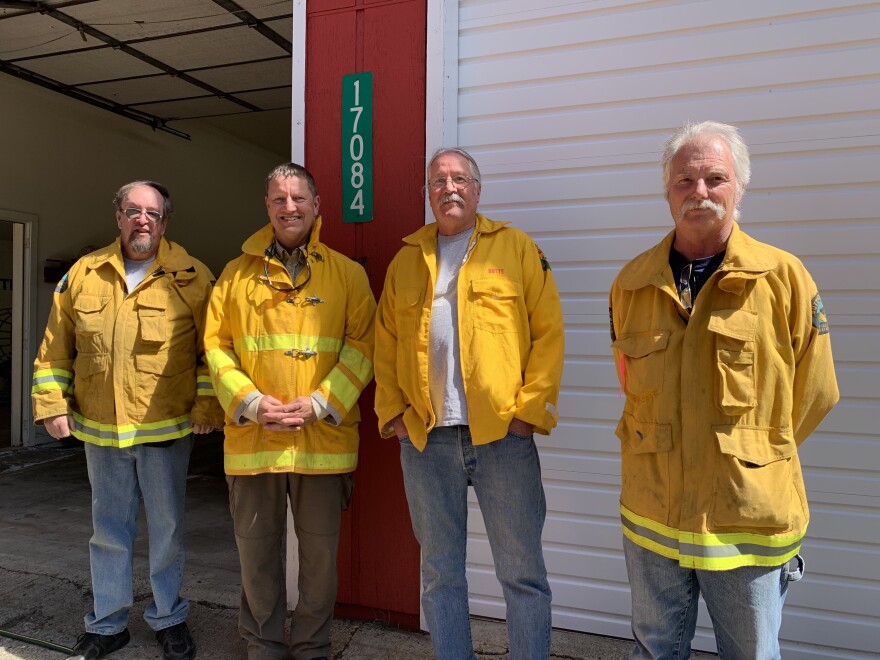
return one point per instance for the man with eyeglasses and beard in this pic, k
(469, 351)
(722, 348)
(289, 342)
(119, 369)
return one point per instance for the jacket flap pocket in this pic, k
(737, 323)
(736, 357)
(758, 446)
(88, 364)
(643, 437)
(497, 288)
(153, 298)
(408, 297)
(640, 344)
(86, 302)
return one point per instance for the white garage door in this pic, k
(565, 106)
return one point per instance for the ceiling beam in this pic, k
(253, 22)
(84, 28)
(154, 122)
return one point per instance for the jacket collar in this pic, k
(259, 241)
(744, 259)
(428, 233)
(171, 257)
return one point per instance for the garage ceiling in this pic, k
(161, 62)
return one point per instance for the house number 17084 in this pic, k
(357, 147)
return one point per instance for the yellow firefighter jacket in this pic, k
(510, 334)
(717, 403)
(127, 366)
(314, 341)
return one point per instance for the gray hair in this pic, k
(287, 170)
(442, 151)
(122, 193)
(729, 134)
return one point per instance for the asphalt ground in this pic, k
(45, 588)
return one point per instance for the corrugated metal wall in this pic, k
(565, 106)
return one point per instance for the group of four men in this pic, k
(720, 341)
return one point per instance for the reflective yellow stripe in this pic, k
(287, 342)
(342, 388)
(52, 379)
(290, 459)
(204, 386)
(232, 379)
(711, 552)
(357, 362)
(127, 435)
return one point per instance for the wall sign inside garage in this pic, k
(357, 147)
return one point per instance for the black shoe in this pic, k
(177, 643)
(91, 646)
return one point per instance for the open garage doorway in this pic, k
(16, 328)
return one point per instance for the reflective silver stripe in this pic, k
(651, 535)
(720, 551)
(737, 550)
(129, 434)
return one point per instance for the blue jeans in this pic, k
(506, 476)
(119, 478)
(745, 605)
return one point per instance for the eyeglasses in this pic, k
(293, 299)
(134, 214)
(460, 182)
(685, 293)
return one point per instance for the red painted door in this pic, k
(378, 555)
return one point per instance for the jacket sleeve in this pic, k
(814, 390)
(339, 391)
(390, 401)
(52, 387)
(537, 399)
(233, 387)
(206, 409)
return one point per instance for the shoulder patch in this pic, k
(545, 264)
(820, 321)
(63, 284)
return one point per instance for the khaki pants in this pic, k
(258, 504)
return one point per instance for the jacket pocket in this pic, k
(89, 311)
(89, 364)
(645, 357)
(735, 330)
(151, 308)
(496, 304)
(407, 312)
(165, 384)
(736, 382)
(753, 480)
(645, 449)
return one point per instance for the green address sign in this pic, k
(357, 147)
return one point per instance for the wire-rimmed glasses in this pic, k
(685, 292)
(134, 213)
(283, 287)
(459, 182)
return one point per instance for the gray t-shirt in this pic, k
(445, 383)
(136, 271)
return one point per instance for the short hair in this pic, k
(287, 170)
(442, 151)
(729, 134)
(122, 193)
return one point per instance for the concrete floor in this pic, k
(44, 571)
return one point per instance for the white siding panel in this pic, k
(565, 106)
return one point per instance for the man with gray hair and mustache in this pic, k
(722, 349)
(469, 351)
